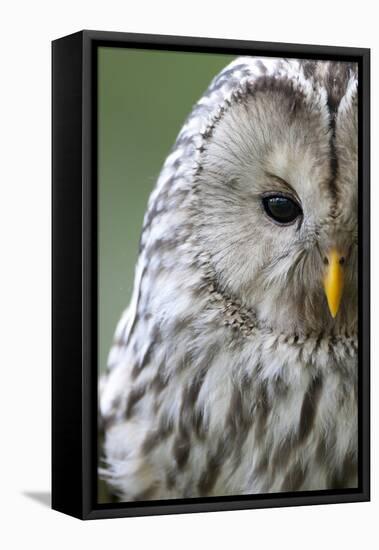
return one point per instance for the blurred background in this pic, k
(144, 97)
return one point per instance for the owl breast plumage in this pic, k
(234, 368)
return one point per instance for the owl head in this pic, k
(275, 191)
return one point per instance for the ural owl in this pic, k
(234, 369)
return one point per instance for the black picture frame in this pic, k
(74, 273)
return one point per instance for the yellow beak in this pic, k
(334, 280)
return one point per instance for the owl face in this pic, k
(276, 201)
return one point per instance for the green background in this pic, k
(144, 97)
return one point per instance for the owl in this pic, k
(234, 369)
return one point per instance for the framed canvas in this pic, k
(210, 275)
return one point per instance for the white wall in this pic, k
(26, 31)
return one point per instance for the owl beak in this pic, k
(334, 278)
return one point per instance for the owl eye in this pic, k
(281, 209)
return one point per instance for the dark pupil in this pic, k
(281, 209)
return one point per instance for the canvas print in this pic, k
(228, 262)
